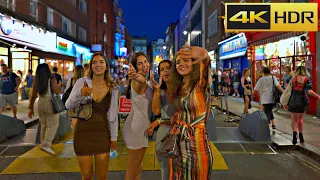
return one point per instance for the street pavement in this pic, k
(245, 158)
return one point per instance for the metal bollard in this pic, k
(227, 108)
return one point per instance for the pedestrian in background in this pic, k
(236, 83)
(247, 90)
(45, 84)
(287, 75)
(220, 83)
(9, 85)
(266, 85)
(259, 92)
(78, 73)
(215, 82)
(299, 101)
(231, 76)
(21, 86)
(29, 80)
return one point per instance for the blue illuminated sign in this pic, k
(235, 46)
(83, 54)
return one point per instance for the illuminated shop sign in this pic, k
(233, 47)
(83, 54)
(65, 47)
(18, 30)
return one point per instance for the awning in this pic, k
(276, 38)
(40, 50)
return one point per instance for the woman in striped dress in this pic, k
(191, 76)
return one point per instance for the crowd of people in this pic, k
(180, 99)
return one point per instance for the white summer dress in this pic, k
(138, 120)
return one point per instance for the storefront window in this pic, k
(277, 55)
(65, 68)
(35, 63)
(3, 55)
(20, 60)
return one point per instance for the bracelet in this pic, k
(159, 121)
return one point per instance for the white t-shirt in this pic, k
(265, 87)
(219, 76)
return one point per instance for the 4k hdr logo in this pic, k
(271, 17)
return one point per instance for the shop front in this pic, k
(233, 52)
(213, 58)
(279, 49)
(17, 42)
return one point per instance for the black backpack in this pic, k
(67, 93)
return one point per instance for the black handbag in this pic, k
(57, 104)
(276, 92)
(67, 93)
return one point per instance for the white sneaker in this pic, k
(48, 150)
(234, 95)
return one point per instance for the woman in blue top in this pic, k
(162, 103)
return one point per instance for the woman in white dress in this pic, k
(141, 94)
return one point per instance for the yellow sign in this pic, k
(271, 17)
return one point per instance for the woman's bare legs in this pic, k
(134, 165)
(294, 125)
(246, 105)
(102, 164)
(86, 167)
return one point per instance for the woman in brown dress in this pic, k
(95, 137)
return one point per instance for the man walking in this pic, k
(9, 85)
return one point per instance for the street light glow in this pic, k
(164, 47)
(185, 32)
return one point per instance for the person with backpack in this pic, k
(9, 85)
(78, 73)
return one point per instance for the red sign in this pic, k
(124, 105)
(317, 1)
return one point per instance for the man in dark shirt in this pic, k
(56, 75)
(9, 85)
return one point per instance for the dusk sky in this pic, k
(150, 17)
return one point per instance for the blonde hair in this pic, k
(301, 71)
(245, 70)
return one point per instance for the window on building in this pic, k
(82, 35)
(83, 6)
(105, 20)
(73, 29)
(104, 37)
(34, 8)
(50, 16)
(9, 4)
(213, 24)
(65, 24)
(73, 2)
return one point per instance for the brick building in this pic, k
(55, 32)
(102, 26)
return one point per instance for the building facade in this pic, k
(139, 44)
(183, 24)
(170, 41)
(196, 32)
(158, 51)
(34, 32)
(119, 40)
(102, 27)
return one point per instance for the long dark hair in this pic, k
(133, 61)
(40, 83)
(163, 84)
(107, 76)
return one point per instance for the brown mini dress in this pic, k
(92, 137)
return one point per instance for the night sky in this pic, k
(150, 17)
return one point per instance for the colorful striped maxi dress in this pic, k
(196, 159)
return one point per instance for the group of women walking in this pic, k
(182, 96)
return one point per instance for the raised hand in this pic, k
(85, 90)
(193, 52)
(154, 83)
